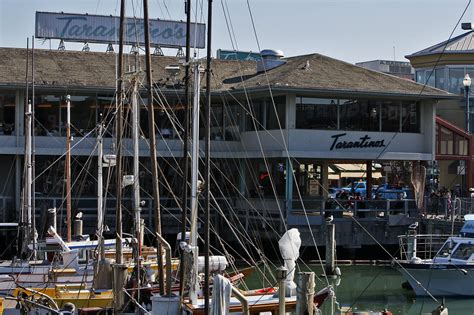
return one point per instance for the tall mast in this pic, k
(100, 193)
(207, 164)
(68, 168)
(136, 164)
(118, 293)
(136, 178)
(185, 160)
(152, 136)
(100, 190)
(23, 236)
(27, 189)
(33, 151)
(194, 281)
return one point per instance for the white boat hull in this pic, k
(439, 281)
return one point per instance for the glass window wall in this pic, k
(391, 116)
(316, 113)
(456, 76)
(7, 114)
(357, 115)
(410, 117)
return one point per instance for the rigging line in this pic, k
(235, 233)
(429, 76)
(365, 289)
(286, 146)
(300, 198)
(62, 155)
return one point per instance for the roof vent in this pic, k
(270, 59)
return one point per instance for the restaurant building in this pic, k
(301, 115)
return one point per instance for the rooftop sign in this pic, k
(105, 29)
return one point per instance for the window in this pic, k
(391, 116)
(446, 141)
(455, 80)
(359, 115)
(410, 117)
(461, 145)
(440, 79)
(232, 123)
(420, 76)
(7, 114)
(316, 113)
(280, 105)
(464, 251)
(430, 78)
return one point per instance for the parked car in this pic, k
(356, 187)
(388, 191)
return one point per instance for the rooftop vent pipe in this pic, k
(270, 59)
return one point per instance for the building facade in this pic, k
(297, 117)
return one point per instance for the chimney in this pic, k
(270, 59)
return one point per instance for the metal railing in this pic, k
(424, 246)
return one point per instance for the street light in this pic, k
(467, 84)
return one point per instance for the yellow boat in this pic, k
(75, 294)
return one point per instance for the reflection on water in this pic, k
(375, 288)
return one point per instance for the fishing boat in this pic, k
(449, 272)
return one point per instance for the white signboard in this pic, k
(105, 29)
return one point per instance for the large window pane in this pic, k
(280, 105)
(391, 116)
(254, 115)
(446, 141)
(420, 76)
(410, 117)
(7, 114)
(232, 116)
(316, 113)
(440, 79)
(455, 80)
(461, 145)
(430, 78)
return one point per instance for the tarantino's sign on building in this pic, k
(105, 29)
(340, 141)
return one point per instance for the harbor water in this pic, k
(376, 288)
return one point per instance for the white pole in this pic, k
(136, 162)
(100, 154)
(194, 282)
(68, 168)
(29, 173)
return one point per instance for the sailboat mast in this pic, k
(136, 165)
(23, 231)
(68, 168)
(118, 280)
(194, 282)
(119, 124)
(33, 151)
(207, 163)
(27, 189)
(152, 136)
(100, 193)
(185, 164)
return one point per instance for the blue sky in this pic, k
(349, 30)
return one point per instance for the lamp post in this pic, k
(467, 84)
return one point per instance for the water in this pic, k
(375, 288)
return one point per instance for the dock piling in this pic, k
(281, 276)
(330, 249)
(305, 293)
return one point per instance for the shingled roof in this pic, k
(315, 72)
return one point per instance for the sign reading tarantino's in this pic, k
(362, 142)
(105, 29)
